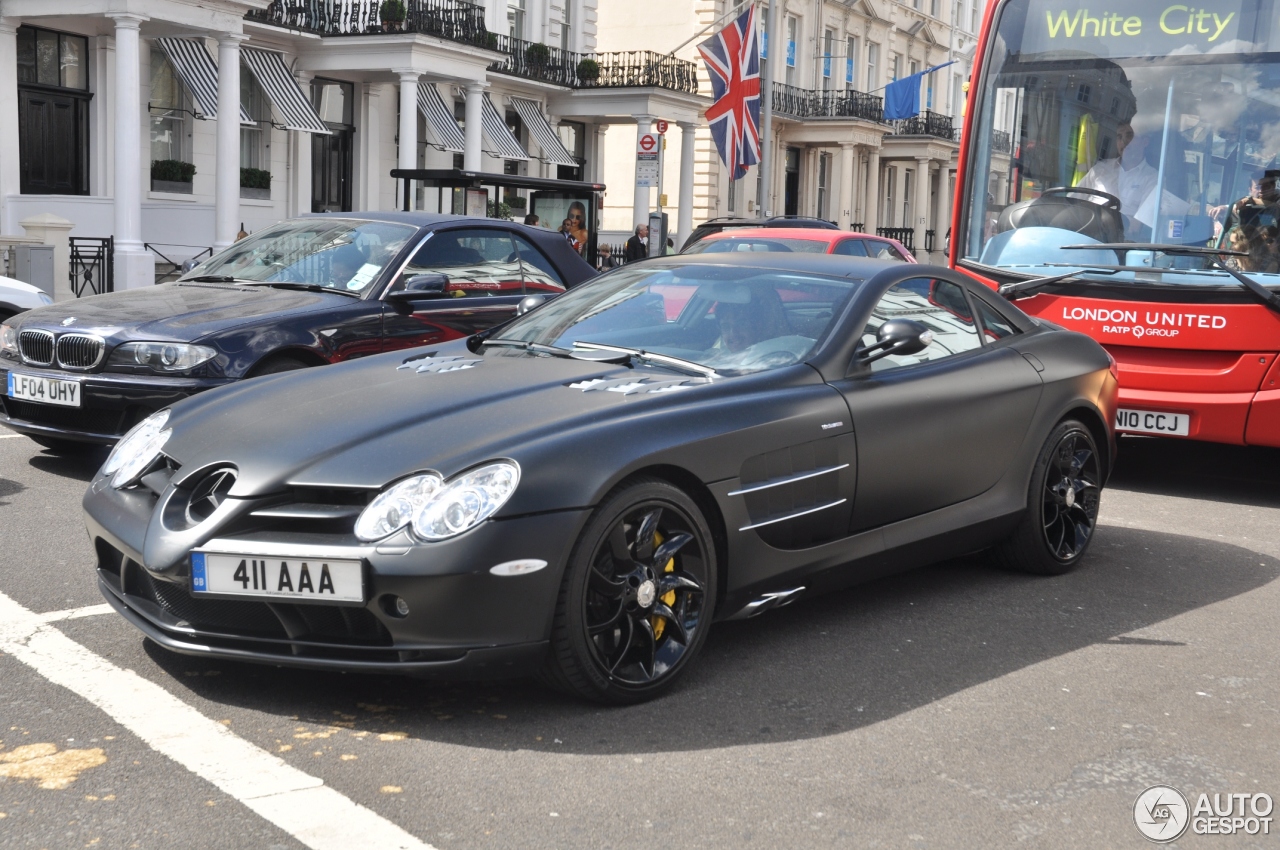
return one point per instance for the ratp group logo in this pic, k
(1161, 813)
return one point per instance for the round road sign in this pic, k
(661, 127)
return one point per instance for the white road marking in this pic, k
(10, 436)
(75, 613)
(297, 802)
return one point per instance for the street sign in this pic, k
(647, 146)
(647, 143)
(661, 127)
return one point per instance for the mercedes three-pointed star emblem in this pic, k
(209, 495)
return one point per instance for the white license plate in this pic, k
(310, 579)
(1153, 422)
(44, 390)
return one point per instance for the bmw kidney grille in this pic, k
(79, 351)
(36, 347)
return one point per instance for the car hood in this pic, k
(371, 421)
(176, 311)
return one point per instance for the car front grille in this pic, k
(80, 351)
(36, 347)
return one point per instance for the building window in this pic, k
(51, 58)
(928, 91)
(733, 196)
(851, 63)
(793, 27)
(170, 111)
(873, 60)
(53, 112)
(515, 18)
(332, 163)
(895, 66)
(828, 43)
(973, 15)
(824, 177)
(574, 138)
(516, 126)
(933, 8)
(566, 26)
(255, 141)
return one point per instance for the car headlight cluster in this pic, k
(162, 356)
(9, 340)
(436, 509)
(137, 450)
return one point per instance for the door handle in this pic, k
(1034, 361)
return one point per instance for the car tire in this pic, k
(1062, 505)
(637, 596)
(276, 365)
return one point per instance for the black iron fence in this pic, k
(812, 103)
(927, 123)
(905, 235)
(857, 226)
(928, 240)
(449, 19)
(92, 260)
(1001, 142)
(534, 60)
(167, 268)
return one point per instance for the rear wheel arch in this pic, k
(1093, 421)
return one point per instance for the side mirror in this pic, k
(897, 336)
(529, 302)
(421, 286)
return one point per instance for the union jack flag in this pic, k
(733, 62)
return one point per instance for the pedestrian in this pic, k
(637, 247)
(532, 220)
(671, 246)
(605, 260)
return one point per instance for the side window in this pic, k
(539, 274)
(851, 248)
(994, 326)
(886, 251)
(479, 262)
(938, 304)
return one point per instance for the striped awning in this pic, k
(198, 72)
(499, 134)
(283, 91)
(444, 127)
(553, 150)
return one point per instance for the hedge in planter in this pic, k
(255, 178)
(172, 171)
(588, 71)
(537, 54)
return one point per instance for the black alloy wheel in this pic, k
(637, 596)
(1062, 505)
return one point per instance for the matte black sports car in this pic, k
(581, 492)
(305, 292)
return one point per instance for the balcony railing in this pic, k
(927, 123)
(1001, 142)
(812, 103)
(456, 20)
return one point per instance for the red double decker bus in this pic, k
(1118, 176)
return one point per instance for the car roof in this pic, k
(834, 265)
(820, 234)
(418, 219)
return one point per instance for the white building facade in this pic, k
(172, 127)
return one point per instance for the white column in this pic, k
(134, 265)
(846, 186)
(640, 201)
(101, 117)
(10, 173)
(897, 216)
(408, 119)
(299, 200)
(871, 210)
(920, 209)
(684, 218)
(943, 218)
(472, 126)
(226, 179)
(373, 170)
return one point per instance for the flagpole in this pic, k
(764, 191)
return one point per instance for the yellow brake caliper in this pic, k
(668, 598)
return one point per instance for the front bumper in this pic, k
(463, 621)
(110, 405)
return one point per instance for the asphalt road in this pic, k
(953, 706)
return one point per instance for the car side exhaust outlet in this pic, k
(768, 602)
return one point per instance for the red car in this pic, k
(802, 240)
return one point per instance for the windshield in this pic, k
(728, 318)
(1147, 123)
(334, 253)
(734, 244)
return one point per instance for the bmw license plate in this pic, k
(1153, 422)
(298, 579)
(44, 390)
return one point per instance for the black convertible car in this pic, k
(305, 292)
(581, 492)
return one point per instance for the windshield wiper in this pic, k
(1026, 288)
(677, 363)
(1269, 299)
(211, 278)
(536, 347)
(305, 287)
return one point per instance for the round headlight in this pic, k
(395, 507)
(467, 501)
(137, 450)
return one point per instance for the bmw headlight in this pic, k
(438, 510)
(137, 450)
(395, 507)
(467, 501)
(9, 340)
(162, 356)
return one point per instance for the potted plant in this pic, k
(588, 71)
(537, 55)
(502, 211)
(489, 40)
(392, 13)
(255, 183)
(172, 175)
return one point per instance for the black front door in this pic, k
(331, 171)
(53, 141)
(938, 427)
(791, 188)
